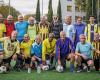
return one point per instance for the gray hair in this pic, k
(82, 35)
(38, 36)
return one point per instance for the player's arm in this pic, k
(44, 52)
(77, 51)
(95, 50)
(58, 53)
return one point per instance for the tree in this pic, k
(81, 4)
(4, 10)
(91, 8)
(50, 11)
(26, 17)
(38, 11)
(59, 11)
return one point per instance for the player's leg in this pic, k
(90, 64)
(78, 60)
(96, 64)
(1, 58)
(71, 57)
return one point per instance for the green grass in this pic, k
(49, 75)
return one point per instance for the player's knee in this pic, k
(76, 57)
(1, 57)
(14, 57)
(72, 57)
(33, 59)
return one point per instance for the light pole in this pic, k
(98, 13)
(9, 7)
(92, 7)
(42, 7)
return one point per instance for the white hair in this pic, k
(82, 35)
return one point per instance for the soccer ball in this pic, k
(45, 68)
(59, 68)
(3, 69)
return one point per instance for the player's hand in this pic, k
(43, 62)
(14, 57)
(97, 51)
(52, 54)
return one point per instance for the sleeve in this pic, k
(4, 29)
(32, 50)
(36, 25)
(21, 45)
(85, 32)
(98, 29)
(43, 51)
(57, 50)
(77, 47)
(84, 28)
(3, 39)
(54, 47)
(18, 48)
(16, 25)
(73, 29)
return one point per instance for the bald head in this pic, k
(10, 18)
(31, 20)
(62, 35)
(13, 35)
(14, 32)
(38, 39)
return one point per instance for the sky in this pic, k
(29, 6)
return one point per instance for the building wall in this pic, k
(1, 2)
(73, 12)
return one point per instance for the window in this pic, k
(77, 8)
(69, 8)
